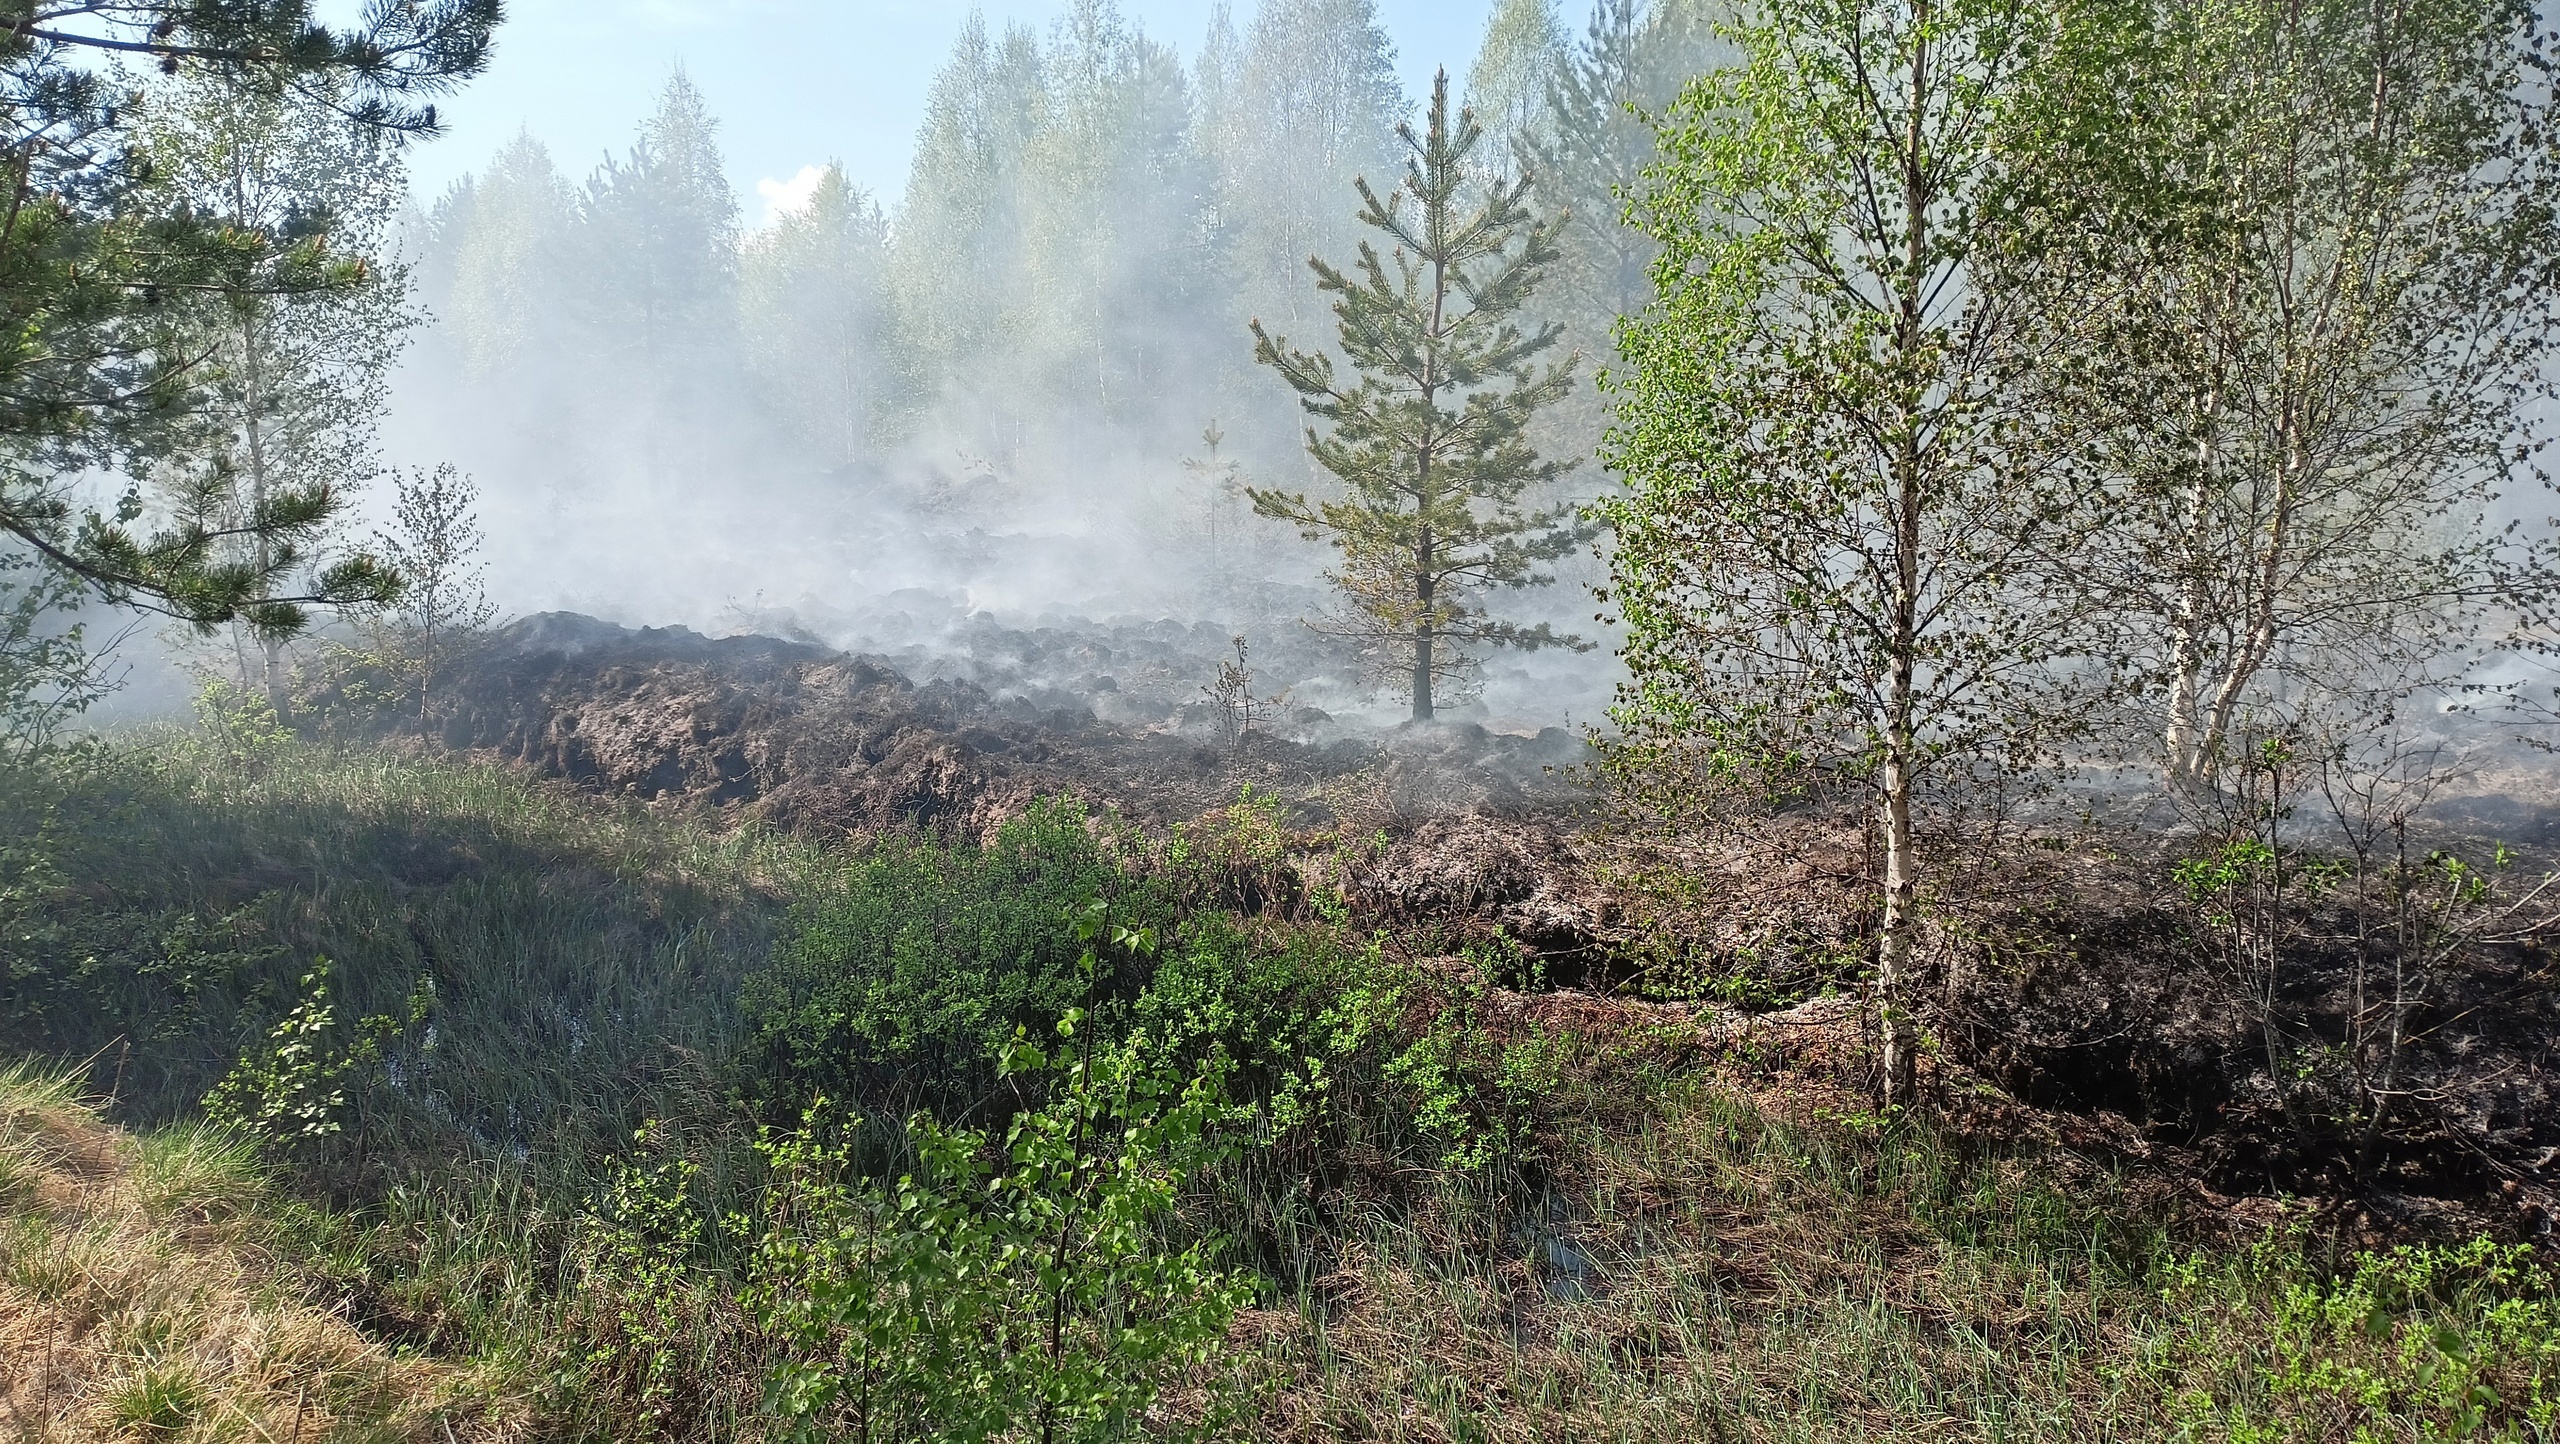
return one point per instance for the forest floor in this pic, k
(2058, 961)
(1613, 1172)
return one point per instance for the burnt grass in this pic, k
(2069, 998)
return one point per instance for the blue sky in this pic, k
(795, 83)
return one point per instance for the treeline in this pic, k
(1090, 222)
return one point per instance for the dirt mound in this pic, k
(803, 736)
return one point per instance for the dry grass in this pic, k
(143, 1296)
(1719, 1273)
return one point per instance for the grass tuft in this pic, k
(158, 1402)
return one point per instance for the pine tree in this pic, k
(90, 255)
(1590, 156)
(1429, 440)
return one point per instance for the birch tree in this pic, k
(1828, 554)
(2339, 250)
(1507, 84)
(434, 543)
(294, 385)
(815, 306)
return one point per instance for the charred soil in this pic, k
(2068, 982)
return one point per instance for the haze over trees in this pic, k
(2034, 967)
(1056, 300)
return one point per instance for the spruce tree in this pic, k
(1428, 438)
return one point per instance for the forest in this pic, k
(1772, 719)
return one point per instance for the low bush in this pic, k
(921, 959)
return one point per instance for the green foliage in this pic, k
(1025, 1289)
(291, 387)
(1476, 1091)
(292, 1089)
(444, 605)
(1236, 858)
(1283, 1013)
(1507, 83)
(2314, 281)
(242, 727)
(1595, 141)
(916, 964)
(2423, 1341)
(645, 1238)
(1430, 442)
(1838, 554)
(815, 307)
(94, 261)
(47, 676)
(1042, 171)
(1828, 557)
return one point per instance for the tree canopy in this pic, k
(94, 260)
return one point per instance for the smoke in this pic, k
(1019, 398)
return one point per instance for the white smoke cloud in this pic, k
(789, 197)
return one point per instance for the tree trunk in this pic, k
(271, 651)
(2273, 555)
(1895, 949)
(2182, 738)
(1422, 663)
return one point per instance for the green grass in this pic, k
(158, 1402)
(584, 956)
(1464, 1228)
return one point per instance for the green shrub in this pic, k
(2420, 1341)
(1284, 1010)
(294, 1087)
(1021, 1289)
(925, 956)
